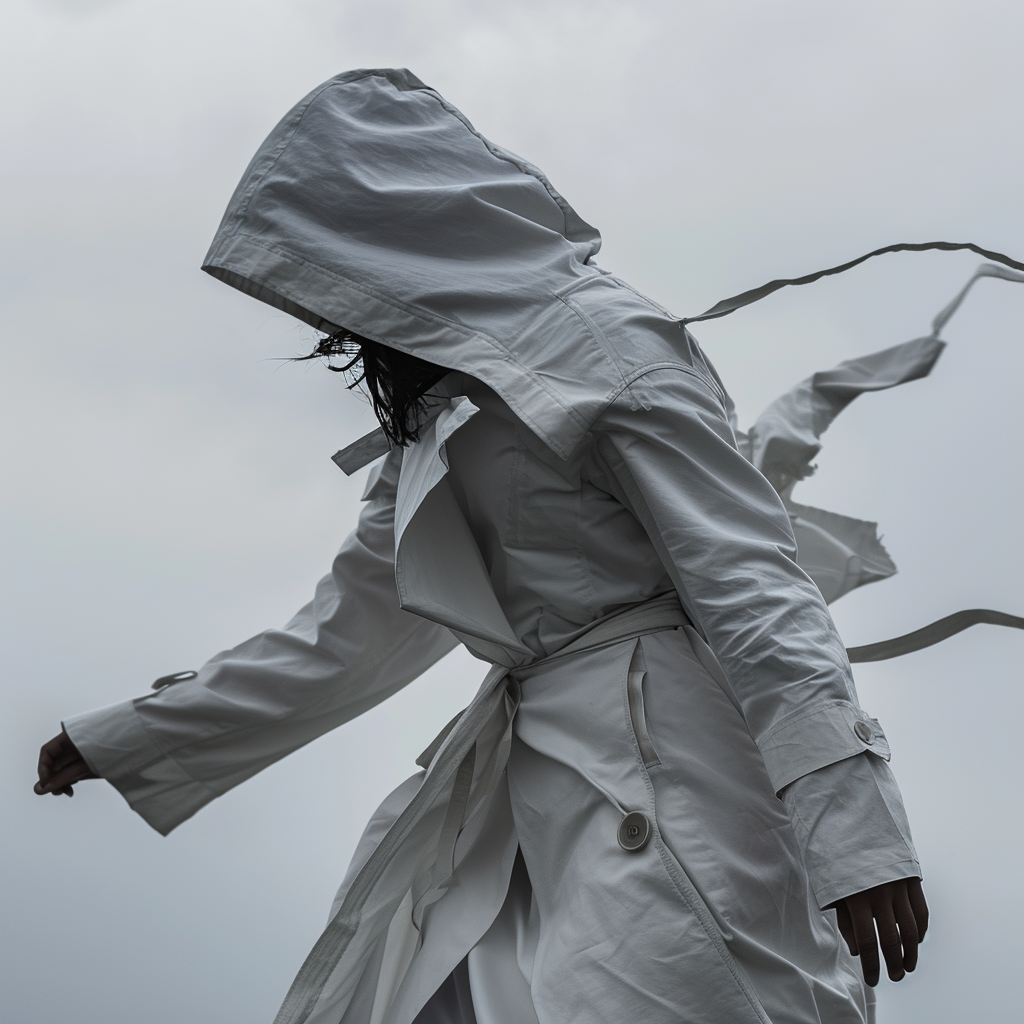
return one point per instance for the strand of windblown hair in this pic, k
(727, 306)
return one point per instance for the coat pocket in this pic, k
(635, 702)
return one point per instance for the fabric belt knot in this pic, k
(659, 613)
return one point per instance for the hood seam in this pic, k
(222, 263)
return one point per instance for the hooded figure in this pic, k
(666, 777)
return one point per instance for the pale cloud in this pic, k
(167, 484)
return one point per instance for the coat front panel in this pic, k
(731, 894)
(714, 919)
(559, 552)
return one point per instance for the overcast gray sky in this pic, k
(167, 489)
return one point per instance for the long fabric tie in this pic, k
(727, 306)
(949, 625)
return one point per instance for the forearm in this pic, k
(172, 753)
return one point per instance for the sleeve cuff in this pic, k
(878, 874)
(117, 746)
(849, 821)
(815, 737)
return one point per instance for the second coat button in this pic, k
(634, 831)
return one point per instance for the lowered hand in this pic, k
(894, 916)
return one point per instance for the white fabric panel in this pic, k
(837, 552)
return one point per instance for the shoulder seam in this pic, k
(642, 371)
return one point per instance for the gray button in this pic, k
(634, 831)
(864, 732)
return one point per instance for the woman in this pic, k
(600, 835)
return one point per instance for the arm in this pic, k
(668, 454)
(351, 647)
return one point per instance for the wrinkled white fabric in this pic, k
(579, 468)
(562, 544)
(554, 539)
(621, 925)
(852, 827)
(837, 552)
(376, 206)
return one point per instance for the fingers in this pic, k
(862, 921)
(57, 754)
(889, 939)
(59, 782)
(918, 905)
(893, 917)
(50, 753)
(54, 781)
(846, 926)
(60, 764)
(906, 921)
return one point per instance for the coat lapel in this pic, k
(438, 566)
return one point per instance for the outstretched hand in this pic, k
(61, 765)
(894, 916)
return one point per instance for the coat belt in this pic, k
(653, 616)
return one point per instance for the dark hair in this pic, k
(397, 382)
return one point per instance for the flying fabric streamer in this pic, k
(840, 553)
(727, 306)
(941, 629)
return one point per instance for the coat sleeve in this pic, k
(169, 753)
(849, 820)
(669, 453)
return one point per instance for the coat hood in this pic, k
(376, 206)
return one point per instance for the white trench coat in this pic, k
(666, 774)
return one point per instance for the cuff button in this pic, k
(864, 732)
